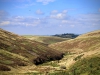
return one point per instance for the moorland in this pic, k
(49, 55)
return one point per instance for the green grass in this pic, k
(59, 73)
(89, 66)
(12, 55)
(54, 64)
(86, 66)
(78, 57)
(7, 73)
(17, 51)
(7, 62)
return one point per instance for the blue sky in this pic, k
(48, 17)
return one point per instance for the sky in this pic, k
(49, 17)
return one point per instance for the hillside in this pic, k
(82, 55)
(85, 42)
(46, 39)
(19, 55)
(17, 51)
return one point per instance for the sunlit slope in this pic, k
(85, 42)
(46, 39)
(82, 55)
(19, 51)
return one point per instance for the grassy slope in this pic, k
(86, 66)
(19, 51)
(86, 42)
(86, 57)
(46, 39)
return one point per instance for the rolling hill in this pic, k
(82, 54)
(46, 39)
(85, 42)
(19, 55)
(17, 51)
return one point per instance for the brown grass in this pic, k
(21, 51)
(4, 68)
(85, 44)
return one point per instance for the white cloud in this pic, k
(64, 21)
(72, 25)
(45, 2)
(39, 12)
(64, 11)
(4, 23)
(4, 18)
(54, 20)
(25, 5)
(25, 21)
(58, 16)
(55, 15)
(90, 18)
(54, 12)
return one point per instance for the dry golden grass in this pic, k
(46, 39)
(12, 55)
(81, 43)
(84, 46)
(17, 51)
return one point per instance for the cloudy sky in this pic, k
(47, 17)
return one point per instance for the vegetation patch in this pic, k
(87, 65)
(12, 55)
(46, 39)
(52, 63)
(7, 62)
(78, 57)
(33, 73)
(4, 68)
(60, 73)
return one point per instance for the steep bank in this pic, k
(16, 51)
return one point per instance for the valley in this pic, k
(46, 55)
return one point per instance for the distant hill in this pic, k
(46, 39)
(85, 42)
(17, 51)
(66, 35)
